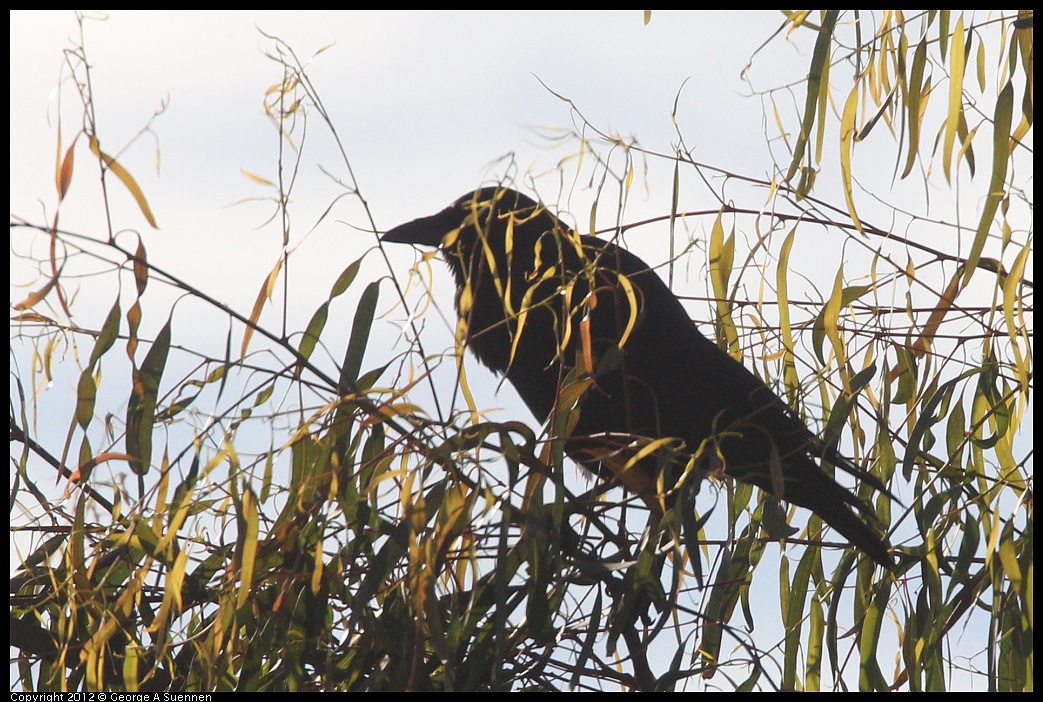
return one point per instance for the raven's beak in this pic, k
(426, 231)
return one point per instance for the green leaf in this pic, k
(359, 338)
(919, 91)
(997, 185)
(818, 87)
(345, 279)
(107, 337)
(141, 408)
(86, 392)
(313, 331)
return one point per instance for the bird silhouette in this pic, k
(600, 348)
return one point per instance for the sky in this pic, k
(424, 101)
(427, 106)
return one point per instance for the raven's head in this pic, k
(487, 216)
(516, 266)
(486, 237)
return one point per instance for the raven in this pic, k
(597, 345)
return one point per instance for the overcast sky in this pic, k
(428, 105)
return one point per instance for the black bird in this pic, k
(552, 310)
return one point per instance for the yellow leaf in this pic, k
(957, 64)
(830, 317)
(250, 523)
(128, 180)
(265, 293)
(922, 345)
(847, 144)
(65, 172)
(256, 178)
(39, 294)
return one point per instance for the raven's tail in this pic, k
(843, 511)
